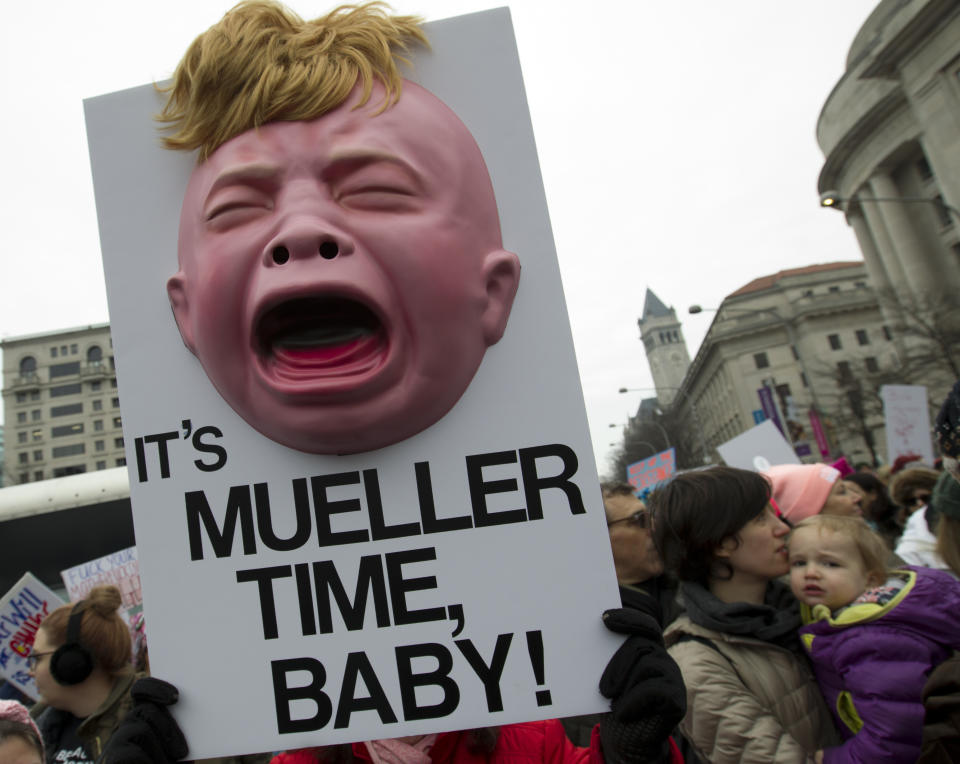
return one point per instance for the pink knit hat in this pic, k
(14, 711)
(801, 490)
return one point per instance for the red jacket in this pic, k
(542, 742)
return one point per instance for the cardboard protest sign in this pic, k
(423, 586)
(120, 569)
(648, 472)
(22, 609)
(907, 421)
(758, 448)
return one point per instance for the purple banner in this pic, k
(770, 408)
(819, 434)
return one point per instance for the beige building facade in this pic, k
(810, 335)
(890, 132)
(61, 406)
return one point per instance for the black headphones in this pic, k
(72, 662)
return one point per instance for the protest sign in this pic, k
(648, 472)
(119, 569)
(907, 421)
(758, 448)
(419, 587)
(22, 609)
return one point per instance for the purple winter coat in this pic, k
(872, 661)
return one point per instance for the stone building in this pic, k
(811, 335)
(666, 350)
(61, 406)
(890, 132)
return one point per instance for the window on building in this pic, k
(118, 442)
(72, 450)
(73, 349)
(94, 354)
(21, 417)
(808, 293)
(843, 372)
(73, 389)
(98, 405)
(887, 334)
(23, 457)
(28, 365)
(98, 425)
(862, 337)
(53, 352)
(24, 477)
(66, 409)
(101, 465)
(117, 422)
(923, 169)
(99, 445)
(860, 284)
(943, 212)
(761, 360)
(871, 364)
(38, 456)
(834, 340)
(21, 397)
(115, 402)
(37, 435)
(73, 469)
(67, 369)
(95, 386)
(34, 395)
(113, 382)
(35, 415)
(22, 436)
(122, 461)
(63, 350)
(38, 475)
(66, 429)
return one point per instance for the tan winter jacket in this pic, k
(748, 700)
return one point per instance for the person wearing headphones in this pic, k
(81, 662)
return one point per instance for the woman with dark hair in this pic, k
(879, 510)
(81, 662)
(751, 696)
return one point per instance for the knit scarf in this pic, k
(390, 751)
(775, 621)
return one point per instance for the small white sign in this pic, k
(22, 610)
(758, 449)
(907, 421)
(120, 569)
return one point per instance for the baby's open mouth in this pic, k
(319, 337)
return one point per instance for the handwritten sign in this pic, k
(648, 472)
(121, 569)
(907, 421)
(22, 609)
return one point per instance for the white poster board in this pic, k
(907, 421)
(120, 569)
(474, 541)
(758, 449)
(22, 609)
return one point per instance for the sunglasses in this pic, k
(640, 518)
(34, 658)
(920, 498)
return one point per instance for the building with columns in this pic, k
(890, 132)
(666, 350)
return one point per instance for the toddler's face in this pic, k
(826, 568)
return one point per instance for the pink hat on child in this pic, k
(15, 711)
(801, 490)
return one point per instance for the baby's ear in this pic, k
(177, 293)
(501, 275)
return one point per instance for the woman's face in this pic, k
(762, 551)
(843, 501)
(51, 691)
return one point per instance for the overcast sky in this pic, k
(676, 142)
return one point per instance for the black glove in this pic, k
(148, 734)
(647, 695)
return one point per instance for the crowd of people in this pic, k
(783, 616)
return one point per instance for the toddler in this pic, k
(873, 636)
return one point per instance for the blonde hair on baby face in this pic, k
(870, 546)
(262, 63)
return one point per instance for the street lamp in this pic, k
(791, 338)
(833, 199)
(693, 411)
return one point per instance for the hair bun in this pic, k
(104, 600)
